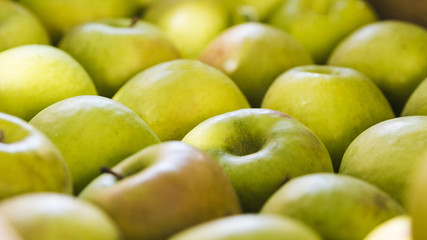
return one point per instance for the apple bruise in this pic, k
(110, 171)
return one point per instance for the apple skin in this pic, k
(253, 55)
(114, 50)
(336, 103)
(387, 154)
(19, 26)
(33, 77)
(51, 216)
(59, 16)
(31, 162)
(417, 102)
(173, 97)
(392, 53)
(249, 227)
(6, 230)
(320, 25)
(163, 189)
(92, 132)
(397, 228)
(260, 150)
(336, 206)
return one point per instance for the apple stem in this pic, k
(134, 21)
(110, 171)
(1, 136)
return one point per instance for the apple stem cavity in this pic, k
(134, 21)
(110, 171)
(1, 136)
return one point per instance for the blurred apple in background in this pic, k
(260, 150)
(249, 227)
(253, 55)
(392, 53)
(387, 154)
(33, 77)
(114, 50)
(417, 102)
(397, 228)
(336, 103)
(19, 26)
(51, 216)
(30, 162)
(319, 25)
(173, 97)
(58, 16)
(93, 132)
(7, 232)
(190, 24)
(336, 206)
(163, 189)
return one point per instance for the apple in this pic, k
(260, 150)
(249, 227)
(114, 50)
(320, 25)
(7, 232)
(30, 162)
(60, 16)
(397, 228)
(93, 132)
(417, 102)
(34, 76)
(336, 103)
(163, 189)
(253, 55)
(19, 26)
(336, 206)
(51, 216)
(190, 24)
(257, 10)
(173, 97)
(387, 154)
(392, 53)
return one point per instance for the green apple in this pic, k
(93, 132)
(163, 189)
(19, 26)
(51, 216)
(61, 15)
(259, 150)
(190, 24)
(417, 102)
(319, 25)
(336, 103)
(173, 97)
(257, 10)
(392, 53)
(33, 77)
(114, 50)
(387, 154)
(336, 206)
(253, 55)
(30, 162)
(249, 227)
(7, 232)
(397, 228)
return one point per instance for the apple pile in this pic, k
(213, 120)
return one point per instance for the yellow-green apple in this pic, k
(93, 132)
(387, 154)
(19, 26)
(7, 232)
(320, 25)
(114, 50)
(249, 227)
(253, 55)
(259, 150)
(254, 9)
(397, 228)
(52, 216)
(336, 206)
(162, 190)
(60, 15)
(173, 97)
(33, 77)
(392, 53)
(31, 162)
(336, 103)
(190, 24)
(417, 102)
